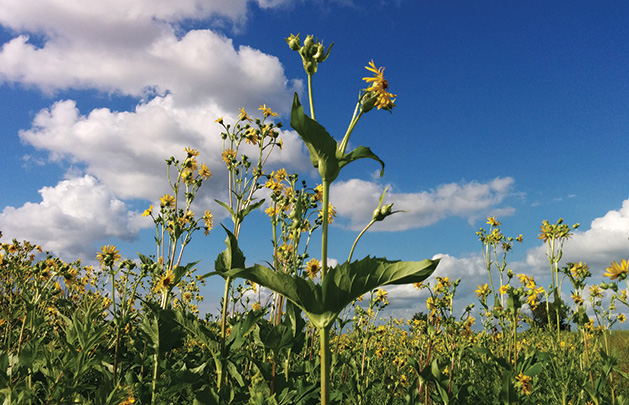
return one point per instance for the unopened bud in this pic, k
(293, 42)
(368, 101)
(380, 214)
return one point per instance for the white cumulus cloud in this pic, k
(356, 199)
(70, 218)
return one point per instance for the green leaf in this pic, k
(342, 285)
(230, 258)
(181, 271)
(231, 212)
(250, 208)
(361, 152)
(320, 144)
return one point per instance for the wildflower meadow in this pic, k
(296, 329)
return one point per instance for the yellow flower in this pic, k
(482, 290)
(219, 120)
(191, 152)
(228, 156)
(280, 175)
(108, 255)
(267, 111)
(256, 306)
(331, 213)
(271, 211)
(243, 116)
(148, 211)
(312, 268)
(618, 271)
(208, 220)
(165, 282)
(318, 190)
(525, 383)
(595, 291)
(621, 318)
(251, 136)
(204, 172)
(381, 295)
(167, 200)
(503, 289)
(492, 221)
(580, 270)
(577, 299)
(379, 86)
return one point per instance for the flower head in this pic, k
(147, 212)
(378, 86)
(167, 200)
(267, 111)
(312, 268)
(228, 156)
(204, 172)
(493, 221)
(108, 255)
(165, 282)
(618, 271)
(524, 382)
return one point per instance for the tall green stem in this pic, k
(312, 112)
(324, 335)
(324, 228)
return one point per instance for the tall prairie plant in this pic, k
(339, 286)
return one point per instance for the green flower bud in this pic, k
(308, 42)
(604, 286)
(293, 42)
(380, 214)
(368, 101)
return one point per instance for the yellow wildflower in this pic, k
(618, 271)
(167, 200)
(379, 86)
(204, 172)
(148, 211)
(525, 383)
(108, 255)
(165, 282)
(267, 111)
(492, 221)
(312, 268)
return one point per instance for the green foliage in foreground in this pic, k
(62, 342)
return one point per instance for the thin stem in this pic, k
(351, 252)
(350, 129)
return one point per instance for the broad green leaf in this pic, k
(181, 271)
(342, 285)
(320, 144)
(230, 258)
(361, 152)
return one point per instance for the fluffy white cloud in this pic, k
(126, 150)
(606, 240)
(70, 218)
(356, 199)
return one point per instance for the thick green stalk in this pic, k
(324, 228)
(324, 336)
(312, 112)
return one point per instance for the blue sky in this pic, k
(512, 109)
